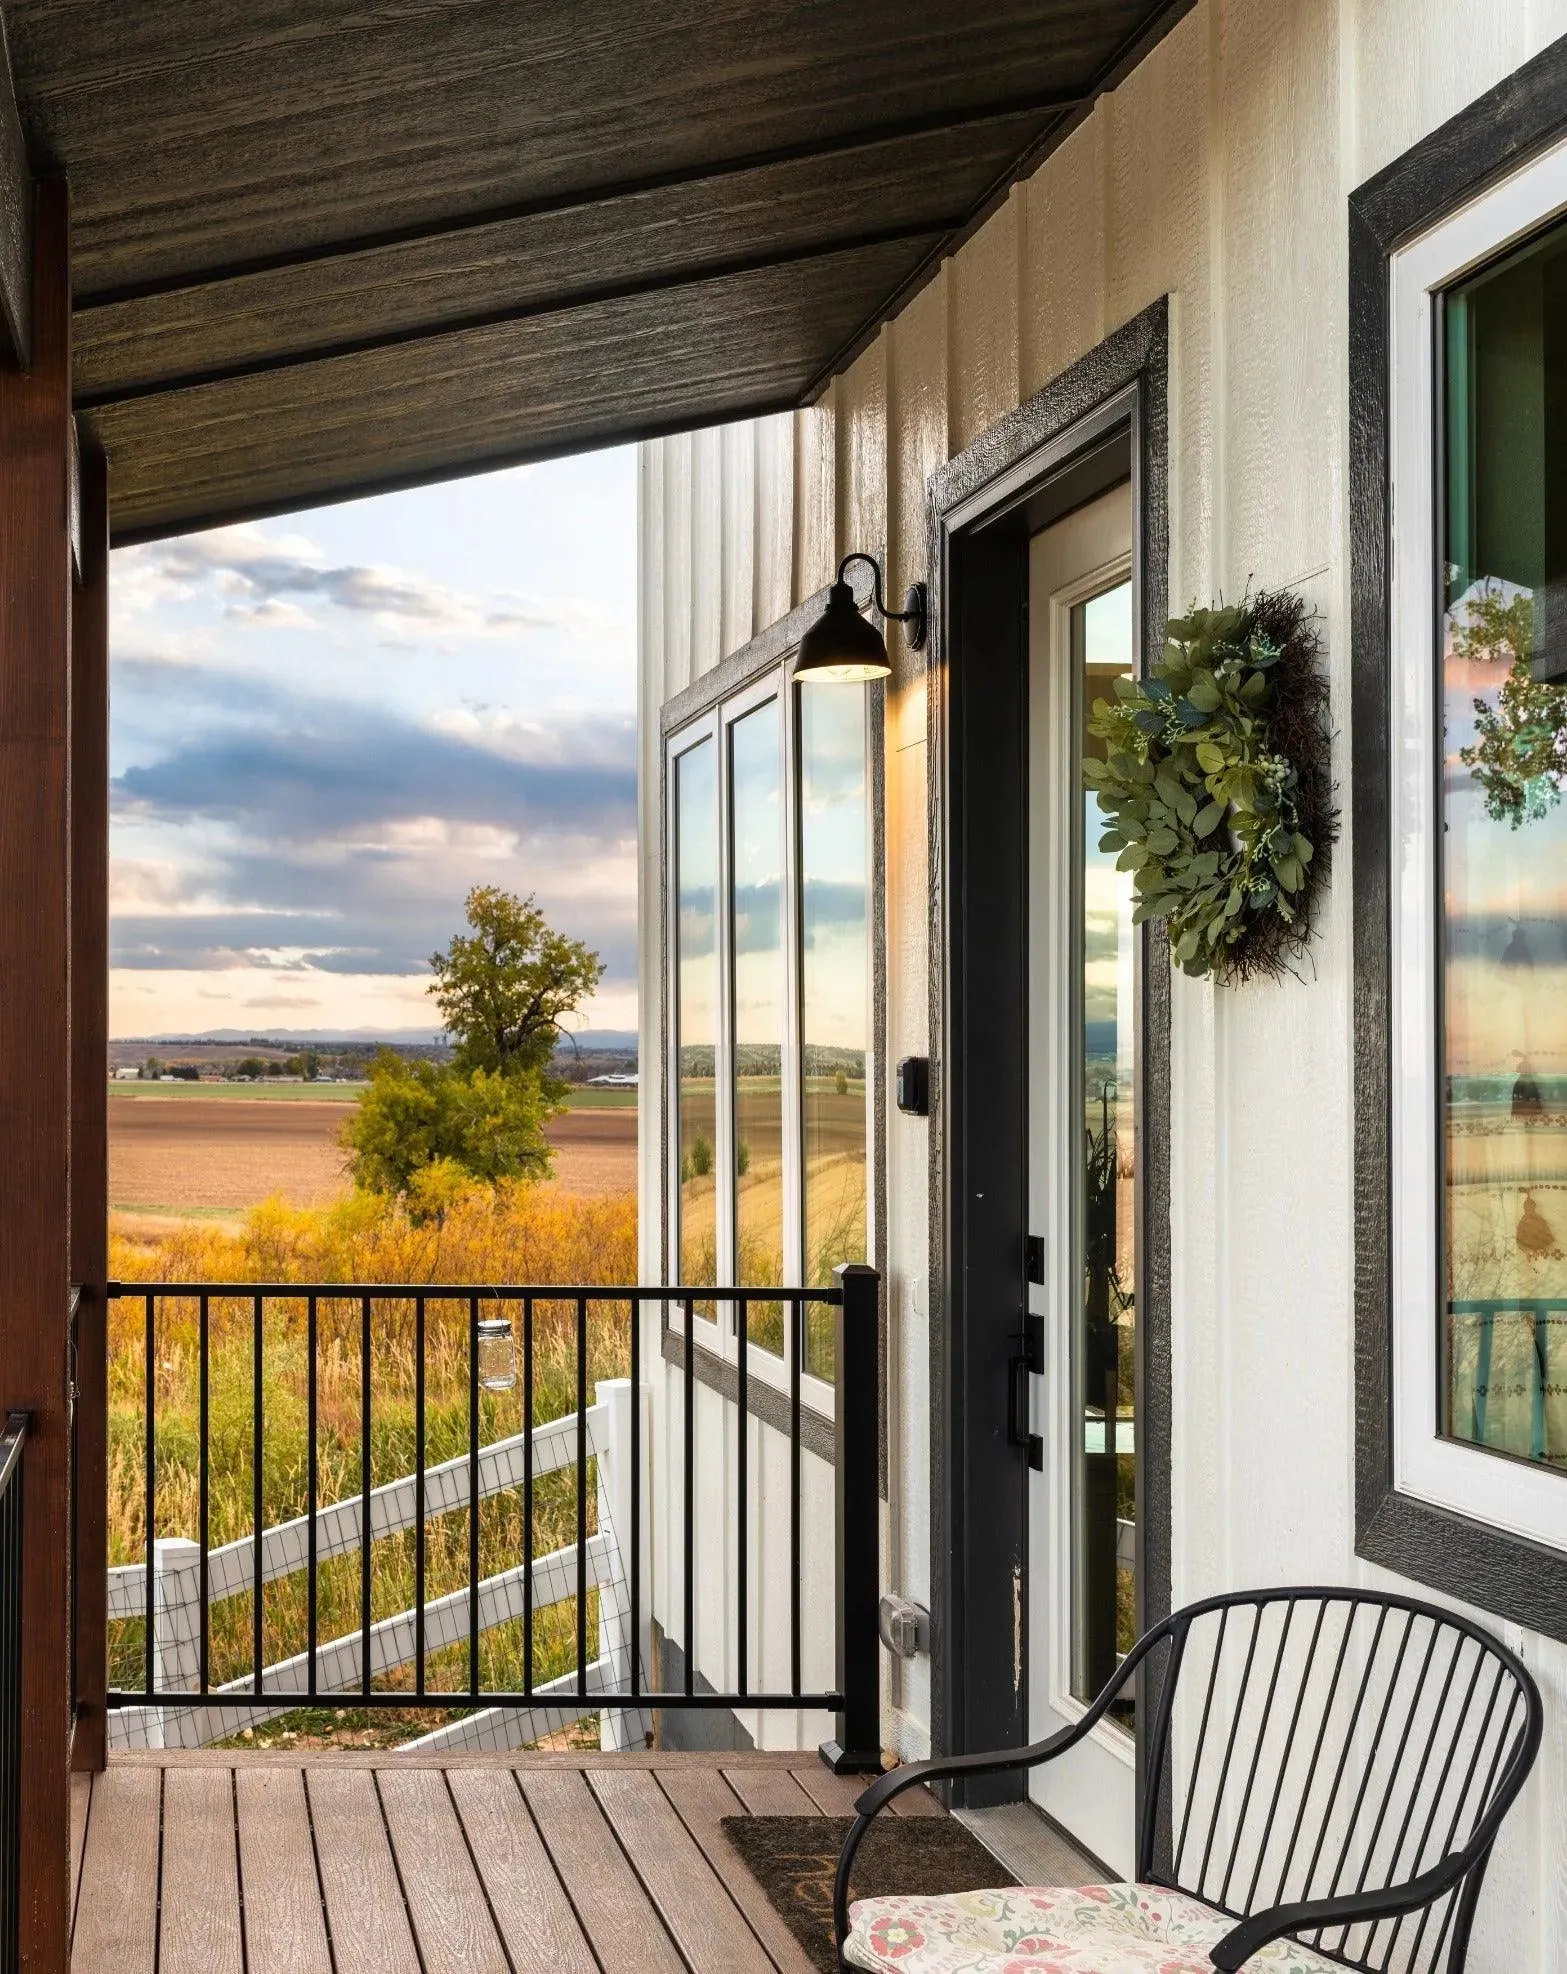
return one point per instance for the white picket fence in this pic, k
(176, 1643)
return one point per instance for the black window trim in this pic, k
(1485, 1566)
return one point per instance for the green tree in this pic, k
(417, 1115)
(504, 986)
(249, 1067)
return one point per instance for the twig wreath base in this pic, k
(1216, 785)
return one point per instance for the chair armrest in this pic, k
(940, 1769)
(1354, 1908)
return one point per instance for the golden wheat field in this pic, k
(514, 1233)
(182, 1152)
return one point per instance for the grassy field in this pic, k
(215, 1148)
(515, 1233)
(262, 1092)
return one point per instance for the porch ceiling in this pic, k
(320, 251)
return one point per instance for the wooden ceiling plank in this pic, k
(918, 239)
(524, 390)
(556, 258)
(997, 120)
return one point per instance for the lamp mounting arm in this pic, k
(915, 611)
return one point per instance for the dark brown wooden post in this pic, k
(35, 660)
(89, 961)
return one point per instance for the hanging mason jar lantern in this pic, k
(497, 1354)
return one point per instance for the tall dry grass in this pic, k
(513, 1233)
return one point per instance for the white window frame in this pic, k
(1509, 1494)
(720, 1336)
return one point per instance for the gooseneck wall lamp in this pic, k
(842, 647)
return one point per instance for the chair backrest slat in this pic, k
(1305, 1766)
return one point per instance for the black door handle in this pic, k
(1018, 1433)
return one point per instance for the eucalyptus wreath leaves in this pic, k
(1216, 785)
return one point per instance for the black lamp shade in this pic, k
(842, 646)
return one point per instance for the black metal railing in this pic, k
(216, 1359)
(11, 1689)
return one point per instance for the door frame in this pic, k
(1043, 455)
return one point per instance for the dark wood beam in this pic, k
(908, 130)
(16, 217)
(919, 237)
(89, 962)
(35, 635)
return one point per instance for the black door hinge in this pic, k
(1034, 1258)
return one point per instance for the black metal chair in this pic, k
(1327, 1764)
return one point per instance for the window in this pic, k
(1479, 1019)
(769, 830)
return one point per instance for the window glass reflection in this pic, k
(696, 1013)
(835, 991)
(756, 905)
(1104, 1480)
(1504, 858)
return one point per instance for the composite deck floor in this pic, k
(351, 1863)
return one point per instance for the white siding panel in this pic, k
(815, 496)
(1062, 257)
(707, 548)
(1215, 175)
(738, 540)
(982, 294)
(774, 569)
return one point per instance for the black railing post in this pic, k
(856, 1748)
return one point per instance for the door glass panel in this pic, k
(696, 1013)
(1504, 858)
(835, 992)
(1104, 1480)
(756, 905)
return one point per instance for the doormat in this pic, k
(794, 1858)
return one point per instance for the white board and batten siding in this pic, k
(1217, 174)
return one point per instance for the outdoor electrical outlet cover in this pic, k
(904, 1627)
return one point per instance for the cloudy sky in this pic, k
(326, 728)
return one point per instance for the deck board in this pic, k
(702, 1798)
(364, 1902)
(285, 1930)
(620, 1920)
(451, 1918)
(117, 1911)
(200, 1928)
(388, 1863)
(530, 1905)
(689, 1894)
(81, 1806)
(770, 1792)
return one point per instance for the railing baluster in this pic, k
(312, 1488)
(203, 1483)
(527, 1492)
(742, 1493)
(151, 1511)
(364, 1494)
(688, 1445)
(582, 1497)
(257, 1491)
(473, 1498)
(571, 1570)
(419, 1536)
(634, 1534)
(796, 1359)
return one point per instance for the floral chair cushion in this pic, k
(1092, 1929)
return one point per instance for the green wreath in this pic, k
(1216, 785)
